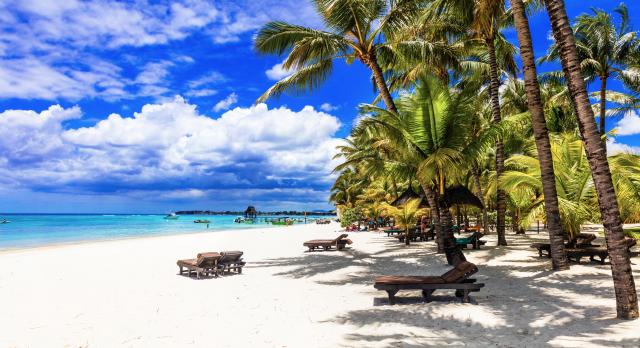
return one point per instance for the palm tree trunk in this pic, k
(406, 236)
(626, 297)
(603, 104)
(435, 216)
(485, 215)
(372, 62)
(494, 90)
(541, 134)
(452, 251)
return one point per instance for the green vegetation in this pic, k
(457, 113)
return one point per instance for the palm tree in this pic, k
(541, 134)
(431, 131)
(605, 51)
(406, 215)
(356, 29)
(572, 179)
(345, 189)
(626, 297)
(485, 19)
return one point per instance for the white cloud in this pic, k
(277, 72)
(211, 77)
(629, 124)
(34, 78)
(613, 147)
(170, 146)
(226, 103)
(153, 73)
(205, 92)
(328, 107)
(52, 49)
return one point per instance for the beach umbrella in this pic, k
(408, 195)
(462, 196)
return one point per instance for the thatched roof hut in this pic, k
(250, 212)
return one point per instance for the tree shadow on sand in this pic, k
(537, 309)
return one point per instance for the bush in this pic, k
(349, 216)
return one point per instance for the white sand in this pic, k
(126, 293)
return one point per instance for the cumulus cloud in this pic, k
(226, 103)
(328, 107)
(277, 72)
(169, 147)
(614, 147)
(629, 124)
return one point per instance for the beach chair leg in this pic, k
(180, 273)
(540, 252)
(392, 296)
(426, 294)
(465, 296)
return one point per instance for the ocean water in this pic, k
(40, 230)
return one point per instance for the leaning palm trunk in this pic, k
(485, 215)
(603, 111)
(452, 251)
(626, 298)
(435, 217)
(494, 89)
(371, 61)
(541, 134)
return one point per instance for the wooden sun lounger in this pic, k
(582, 240)
(326, 244)
(205, 263)
(456, 278)
(591, 252)
(230, 260)
(601, 252)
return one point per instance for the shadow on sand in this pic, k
(533, 308)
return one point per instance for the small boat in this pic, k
(201, 221)
(4, 221)
(172, 216)
(238, 220)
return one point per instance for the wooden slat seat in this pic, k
(326, 244)
(204, 263)
(456, 278)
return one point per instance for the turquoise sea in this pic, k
(39, 229)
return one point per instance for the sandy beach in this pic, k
(127, 293)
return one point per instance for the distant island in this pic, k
(262, 213)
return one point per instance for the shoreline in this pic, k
(124, 238)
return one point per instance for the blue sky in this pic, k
(142, 107)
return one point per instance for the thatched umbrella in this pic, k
(461, 195)
(452, 195)
(408, 195)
